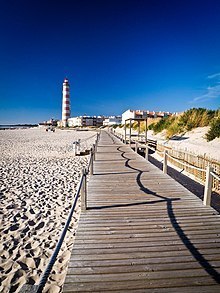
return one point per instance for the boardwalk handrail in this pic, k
(184, 164)
(76, 145)
(209, 173)
(81, 189)
(215, 175)
(208, 185)
(173, 158)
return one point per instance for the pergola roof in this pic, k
(136, 119)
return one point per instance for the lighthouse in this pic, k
(66, 102)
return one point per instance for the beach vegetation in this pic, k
(180, 124)
(120, 125)
(190, 119)
(214, 130)
(114, 126)
(164, 123)
(135, 125)
(195, 117)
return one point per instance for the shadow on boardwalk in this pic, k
(186, 241)
(169, 203)
(193, 186)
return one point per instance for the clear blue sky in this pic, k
(117, 54)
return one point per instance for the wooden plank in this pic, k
(196, 242)
(84, 250)
(185, 289)
(76, 270)
(141, 261)
(137, 284)
(145, 274)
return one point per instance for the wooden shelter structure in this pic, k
(139, 120)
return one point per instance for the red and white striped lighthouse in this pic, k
(66, 102)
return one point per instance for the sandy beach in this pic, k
(38, 177)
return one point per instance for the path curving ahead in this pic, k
(143, 231)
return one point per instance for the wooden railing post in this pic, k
(92, 165)
(136, 146)
(208, 186)
(83, 191)
(165, 162)
(130, 133)
(94, 152)
(125, 134)
(146, 152)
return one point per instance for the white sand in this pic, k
(38, 177)
(193, 141)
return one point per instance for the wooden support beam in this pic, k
(138, 129)
(146, 131)
(84, 191)
(146, 152)
(92, 163)
(94, 149)
(136, 146)
(165, 162)
(130, 132)
(208, 186)
(125, 133)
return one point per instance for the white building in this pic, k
(74, 121)
(111, 120)
(85, 121)
(143, 114)
(134, 114)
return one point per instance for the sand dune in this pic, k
(193, 141)
(38, 177)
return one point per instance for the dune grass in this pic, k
(214, 130)
(190, 119)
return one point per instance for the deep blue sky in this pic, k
(117, 54)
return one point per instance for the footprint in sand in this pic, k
(32, 211)
(23, 265)
(11, 206)
(41, 225)
(31, 223)
(24, 217)
(17, 286)
(37, 261)
(28, 246)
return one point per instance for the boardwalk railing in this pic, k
(81, 190)
(184, 160)
(80, 144)
(134, 138)
(205, 172)
(210, 175)
(193, 164)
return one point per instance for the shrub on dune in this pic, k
(214, 130)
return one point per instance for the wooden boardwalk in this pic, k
(143, 232)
